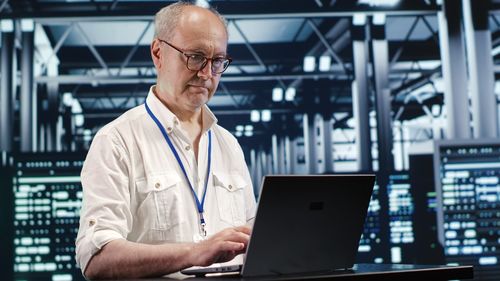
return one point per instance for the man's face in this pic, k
(198, 32)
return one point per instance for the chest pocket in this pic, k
(162, 200)
(229, 190)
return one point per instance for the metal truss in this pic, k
(256, 9)
(400, 50)
(105, 72)
(406, 85)
(327, 45)
(110, 75)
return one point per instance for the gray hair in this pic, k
(167, 18)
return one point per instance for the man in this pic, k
(165, 187)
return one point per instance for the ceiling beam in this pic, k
(143, 10)
(124, 79)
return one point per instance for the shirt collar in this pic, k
(168, 118)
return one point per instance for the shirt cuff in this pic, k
(103, 237)
(93, 244)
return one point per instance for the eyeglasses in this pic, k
(197, 62)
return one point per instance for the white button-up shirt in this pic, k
(134, 188)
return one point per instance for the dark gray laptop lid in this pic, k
(307, 224)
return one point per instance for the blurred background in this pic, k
(406, 89)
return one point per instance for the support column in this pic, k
(291, 156)
(318, 143)
(380, 59)
(481, 74)
(307, 140)
(313, 145)
(52, 114)
(274, 154)
(67, 122)
(258, 173)
(27, 97)
(383, 95)
(253, 167)
(454, 70)
(310, 144)
(42, 138)
(263, 162)
(59, 134)
(6, 90)
(327, 142)
(269, 159)
(281, 155)
(50, 136)
(360, 93)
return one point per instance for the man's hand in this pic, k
(221, 247)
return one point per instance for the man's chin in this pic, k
(199, 96)
(198, 102)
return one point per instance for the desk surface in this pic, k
(368, 272)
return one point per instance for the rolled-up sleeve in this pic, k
(105, 215)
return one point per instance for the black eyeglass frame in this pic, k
(189, 56)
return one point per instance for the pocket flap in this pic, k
(231, 182)
(158, 182)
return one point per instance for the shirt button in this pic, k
(176, 122)
(91, 222)
(188, 147)
(230, 187)
(169, 129)
(157, 185)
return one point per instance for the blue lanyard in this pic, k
(176, 154)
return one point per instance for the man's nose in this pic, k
(206, 71)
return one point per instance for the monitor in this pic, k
(47, 201)
(467, 176)
(401, 209)
(371, 246)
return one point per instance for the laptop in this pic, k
(304, 225)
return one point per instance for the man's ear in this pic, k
(156, 54)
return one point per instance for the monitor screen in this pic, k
(47, 201)
(395, 217)
(371, 247)
(468, 202)
(401, 209)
